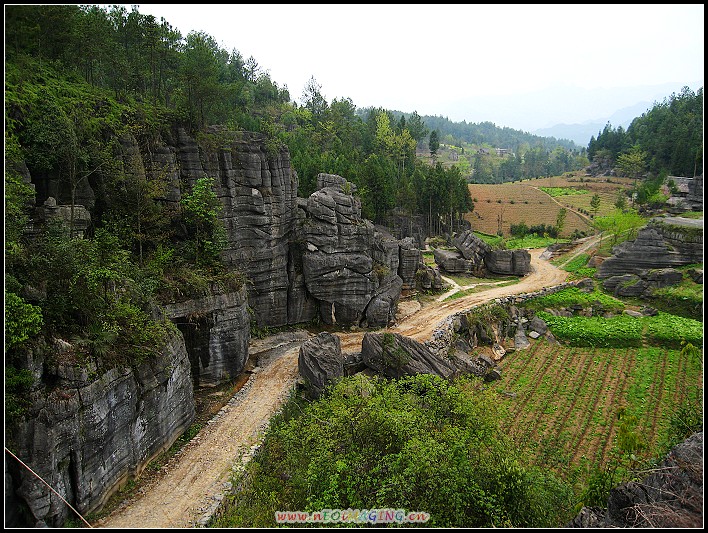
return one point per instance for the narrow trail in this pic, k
(457, 288)
(179, 498)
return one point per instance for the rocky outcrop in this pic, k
(216, 330)
(642, 284)
(409, 260)
(349, 267)
(258, 189)
(51, 213)
(429, 278)
(87, 434)
(508, 262)
(670, 497)
(395, 356)
(320, 362)
(666, 244)
(452, 262)
(474, 256)
(472, 247)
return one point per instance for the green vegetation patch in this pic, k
(562, 191)
(574, 296)
(685, 300)
(621, 331)
(577, 262)
(625, 331)
(419, 443)
(673, 331)
(532, 241)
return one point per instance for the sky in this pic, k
(524, 66)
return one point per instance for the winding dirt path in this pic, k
(421, 325)
(192, 479)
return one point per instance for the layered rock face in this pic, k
(348, 272)
(216, 330)
(88, 434)
(258, 189)
(395, 356)
(658, 245)
(474, 256)
(349, 267)
(670, 497)
(514, 262)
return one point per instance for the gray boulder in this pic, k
(509, 262)
(472, 247)
(320, 362)
(452, 261)
(395, 355)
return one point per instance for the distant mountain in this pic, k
(539, 111)
(580, 133)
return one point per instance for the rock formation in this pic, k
(320, 362)
(395, 356)
(87, 434)
(216, 330)
(661, 244)
(474, 256)
(669, 497)
(349, 267)
(513, 262)
(303, 258)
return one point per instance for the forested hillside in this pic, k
(667, 139)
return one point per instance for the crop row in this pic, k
(563, 401)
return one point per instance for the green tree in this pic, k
(595, 203)
(620, 224)
(313, 100)
(202, 210)
(200, 71)
(22, 320)
(621, 202)
(434, 143)
(560, 219)
(633, 162)
(416, 127)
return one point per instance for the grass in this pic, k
(692, 214)
(562, 191)
(566, 399)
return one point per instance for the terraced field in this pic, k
(563, 401)
(524, 201)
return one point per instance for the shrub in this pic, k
(419, 443)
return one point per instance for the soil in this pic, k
(188, 484)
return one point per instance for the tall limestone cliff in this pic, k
(88, 430)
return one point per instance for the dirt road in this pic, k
(180, 497)
(421, 325)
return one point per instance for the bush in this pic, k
(519, 230)
(419, 443)
(22, 320)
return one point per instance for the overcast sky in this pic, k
(521, 66)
